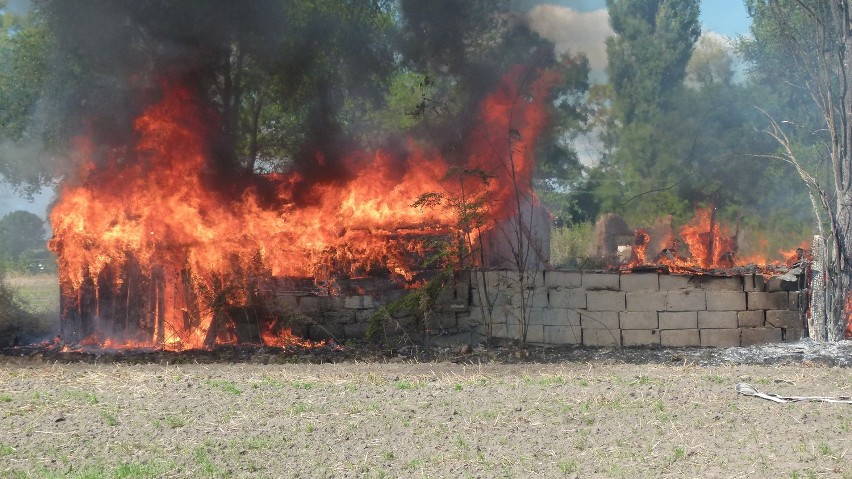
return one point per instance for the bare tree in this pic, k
(822, 60)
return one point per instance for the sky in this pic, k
(573, 25)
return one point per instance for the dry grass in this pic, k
(419, 420)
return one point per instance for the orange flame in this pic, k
(162, 222)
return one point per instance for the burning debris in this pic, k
(704, 246)
(153, 251)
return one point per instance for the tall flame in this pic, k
(158, 209)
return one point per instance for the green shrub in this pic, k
(569, 245)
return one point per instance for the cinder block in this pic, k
(751, 319)
(536, 316)
(640, 282)
(796, 301)
(605, 301)
(681, 320)
(670, 282)
(599, 320)
(680, 338)
(310, 304)
(791, 335)
(364, 315)
(784, 319)
(753, 283)
(686, 300)
(561, 317)
(341, 316)
(718, 283)
(720, 338)
(640, 337)
(464, 322)
(440, 322)
(530, 298)
(355, 331)
(359, 302)
(726, 301)
(638, 320)
(751, 336)
(535, 334)
(567, 298)
(287, 303)
(563, 335)
(562, 279)
(598, 281)
(717, 319)
(601, 337)
(646, 301)
(774, 300)
(512, 279)
(777, 283)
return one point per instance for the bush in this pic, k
(19, 319)
(569, 245)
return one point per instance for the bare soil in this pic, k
(598, 415)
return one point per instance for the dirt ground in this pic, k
(567, 418)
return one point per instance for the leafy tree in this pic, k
(20, 232)
(24, 47)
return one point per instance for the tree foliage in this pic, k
(20, 232)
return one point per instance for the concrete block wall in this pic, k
(636, 309)
(577, 308)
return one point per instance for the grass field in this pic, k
(379, 420)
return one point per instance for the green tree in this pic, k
(647, 60)
(24, 55)
(20, 232)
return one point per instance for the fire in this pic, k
(706, 243)
(163, 245)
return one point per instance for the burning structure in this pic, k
(169, 232)
(151, 247)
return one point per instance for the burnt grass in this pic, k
(360, 410)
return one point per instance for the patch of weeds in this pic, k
(268, 382)
(846, 425)
(583, 382)
(552, 381)
(303, 385)
(461, 444)
(202, 458)
(715, 379)
(109, 419)
(80, 396)
(387, 455)
(825, 449)
(226, 386)
(140, 471)
(679, 453)
(414, 464)
(300, 408)
(6, 450)
(640, 380)
(581, 441)
(175, 422)
(5, 398)
(568, 467)
(403, 385)
(310, 428)
(458, 387)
